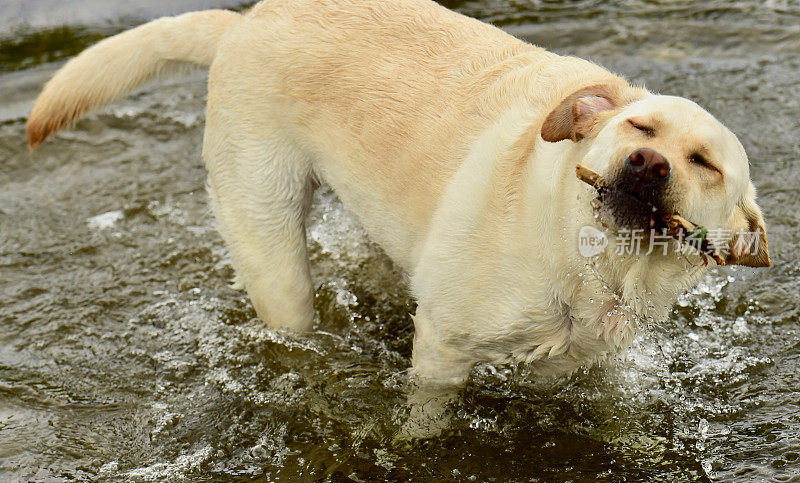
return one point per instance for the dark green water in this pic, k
(124, 354)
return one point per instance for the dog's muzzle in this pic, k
(638, 191)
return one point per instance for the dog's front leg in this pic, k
(439, 371)
(436, 361)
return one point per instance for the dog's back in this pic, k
(395, 92)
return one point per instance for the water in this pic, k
(125, 355)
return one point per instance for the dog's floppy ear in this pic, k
(574, 117)
(749, 244)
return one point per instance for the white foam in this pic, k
(105, 220)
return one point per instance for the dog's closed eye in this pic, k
(639, 126)
(700, 160)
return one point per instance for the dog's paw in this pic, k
(427, 413)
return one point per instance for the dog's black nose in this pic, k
(648, 165)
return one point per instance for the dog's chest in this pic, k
(557, 341)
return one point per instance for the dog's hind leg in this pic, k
(261, 186)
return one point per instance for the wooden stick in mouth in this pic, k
(678, 227)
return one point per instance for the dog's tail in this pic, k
(119, 64)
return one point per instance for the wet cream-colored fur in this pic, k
(431, 128)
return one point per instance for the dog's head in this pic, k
(663, 154)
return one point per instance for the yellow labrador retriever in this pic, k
(455, 144)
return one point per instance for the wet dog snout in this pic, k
(648, 165)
